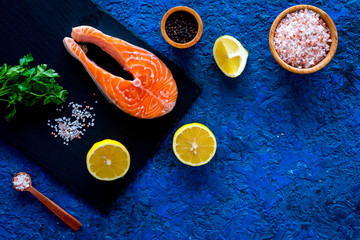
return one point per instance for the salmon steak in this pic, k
(152, 93)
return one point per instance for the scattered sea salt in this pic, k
(73, 127)
(21, 182)
(302, 39)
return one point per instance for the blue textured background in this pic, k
(287, 165)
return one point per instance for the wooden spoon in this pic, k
(22, 182)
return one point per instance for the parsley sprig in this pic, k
(29, 85)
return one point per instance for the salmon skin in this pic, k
(153, 91)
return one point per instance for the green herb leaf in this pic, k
(11, 114)
(26, 60)
(3, 70)
(22, 84)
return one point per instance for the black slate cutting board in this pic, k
(38, 27)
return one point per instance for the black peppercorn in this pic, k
(181, 27)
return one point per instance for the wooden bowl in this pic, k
(182, 9)
(334, 39)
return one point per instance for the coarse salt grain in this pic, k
(302, 39)
(70, 128)
(21, 182)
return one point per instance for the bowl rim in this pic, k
(333, 46)
(199, 30)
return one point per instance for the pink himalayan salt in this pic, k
(302, 39)
(21, 182)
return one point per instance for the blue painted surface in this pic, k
(287, 164)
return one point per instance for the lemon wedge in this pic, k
(194, 144)
(108, 160)
(230, 56)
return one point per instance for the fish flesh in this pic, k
(152, 93)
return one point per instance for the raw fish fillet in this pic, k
(152, 93)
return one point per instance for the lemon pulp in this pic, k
(108, 160)
(230, 56)
(194, 144)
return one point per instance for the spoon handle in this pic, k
(61, 213)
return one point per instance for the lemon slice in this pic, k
(194, 144)
(230, 56)
(108, 160)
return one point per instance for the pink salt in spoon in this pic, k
(22, 182)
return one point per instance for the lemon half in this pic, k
(230, 56)
(194, 144)
(108, 160)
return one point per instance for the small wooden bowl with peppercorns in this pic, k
(307, 41)
(181, 27)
